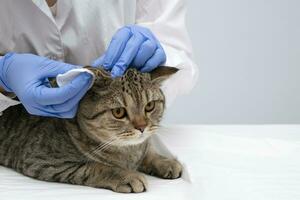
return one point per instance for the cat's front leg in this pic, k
(95, 175)
(157, 165)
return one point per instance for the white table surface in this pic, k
(247, 162)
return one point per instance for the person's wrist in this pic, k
(8, 94)
(3, 83)
(1, 90)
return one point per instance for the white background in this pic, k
(248, 53)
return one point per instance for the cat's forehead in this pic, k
(131, 72)
(133, 79)
(133, 89)
(133, 75)
(136, 86)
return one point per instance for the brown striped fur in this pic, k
(95, 148)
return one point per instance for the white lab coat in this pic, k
(82, 29)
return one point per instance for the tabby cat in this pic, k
(105, 146)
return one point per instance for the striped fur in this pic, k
(95, 148)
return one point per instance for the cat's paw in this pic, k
(133, 182)
(167, 168)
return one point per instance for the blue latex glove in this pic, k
(26, 75)
(132, 46)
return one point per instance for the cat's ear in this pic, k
(102, 82)
(161, 73)
(99, 73)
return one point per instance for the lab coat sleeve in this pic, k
(5, 101)
(166, 19)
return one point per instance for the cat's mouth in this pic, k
(133, 137)
(127, 134)
(130, 134)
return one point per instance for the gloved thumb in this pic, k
(51, 68)
(52, 96)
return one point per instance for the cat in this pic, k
(105, 146)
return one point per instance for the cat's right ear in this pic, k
(161, 73)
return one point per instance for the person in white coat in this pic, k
(41, 39)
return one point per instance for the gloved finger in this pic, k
(53, 96)
(99, 61)
(128, 54)
(116, 47)
(145, 52)
(51, 68)
(66, 106)
(157, 59)
(69, 105)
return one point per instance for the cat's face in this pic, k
(124, 110)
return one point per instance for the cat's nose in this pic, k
(141, 128)
(139, 123)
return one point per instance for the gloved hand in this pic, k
(132, 46)
(26, 75)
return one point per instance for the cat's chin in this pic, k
(133, 141)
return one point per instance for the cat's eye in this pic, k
(150, 106)
(119, 112)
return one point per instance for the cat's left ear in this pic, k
(162, 73)
(99, 72)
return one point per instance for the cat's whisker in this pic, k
(124, 133)
(99, 146)
(161, 130)
(92, 151)
(108, 145)
(105, 146)
(153, 128)
(113, 128)
(95, 150)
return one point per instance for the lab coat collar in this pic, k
(43, 6)
(63, 9)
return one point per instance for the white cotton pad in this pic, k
(63, 79)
